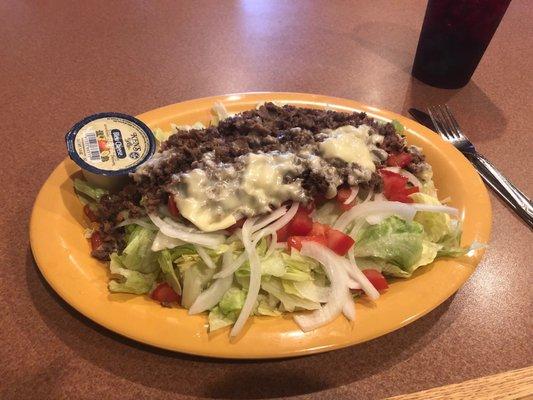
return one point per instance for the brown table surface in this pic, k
(62, 60)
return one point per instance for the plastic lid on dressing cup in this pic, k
(109, 145)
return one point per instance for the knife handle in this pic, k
(508, 192)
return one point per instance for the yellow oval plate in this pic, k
(62, 254)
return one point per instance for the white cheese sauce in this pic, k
(216, 197)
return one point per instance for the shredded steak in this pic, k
(266, 129)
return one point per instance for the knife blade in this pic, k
(422, 118)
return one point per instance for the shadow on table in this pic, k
(397, 46)
(212, 378)
(469, 104)
(388, 44)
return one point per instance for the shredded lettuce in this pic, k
(232, 300)
(327, 214)
(165, 262)
(195, 280)
(88, 190)
(227, 310)
(441, 229)
(217, 319)
(138, 255)
(273, 265)
(267, 305)
(394, 240)
(398, 127)
(290, 302)
(436, 225)
(125, 280)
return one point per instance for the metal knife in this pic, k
(422, 118)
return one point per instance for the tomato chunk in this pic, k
(87, 210)
(343, 194)
(296, 241)
(338, 241)
(96, 240)
(394, 187)
(283, 233)
(319, 229)
(301, 224)
(172, 207)
(164, 293)
(399, 160)
(308, 208)
(376, 279)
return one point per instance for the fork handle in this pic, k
(508, 192)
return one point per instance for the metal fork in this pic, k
(449, 130)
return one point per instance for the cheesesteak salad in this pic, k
(274, 210)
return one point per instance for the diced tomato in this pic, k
(319, 229)
(301, 224)
(96, 240)
(346, 207)
(164, 293)
(399, 160)
(394, 187)
(172, 207)
(87, 210)
(236, 225)
(343, 194)
(296, 241)
(283, 233)
(338, 241)
(376, 279)
(308, 208)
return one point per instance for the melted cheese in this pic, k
(217, 202)
(349, 144)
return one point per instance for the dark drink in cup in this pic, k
(454, 37)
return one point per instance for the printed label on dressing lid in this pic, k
(112, 143)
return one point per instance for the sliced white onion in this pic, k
(348, 309)
(338, 289)
(272, 245)
(232, 267)
(355, 273)
(280, 223)
(379, 197)
(406, 211)
(383, 209)
(255, 277)
(137, 221)
(353, 284)
(273, 216)
(351, 255)
(311, 291)
(205, 257)
(162, 241)
(204, 239)
(353, 195)
(191, 229)
(211, 296)
(376, 218)
(412, 179)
